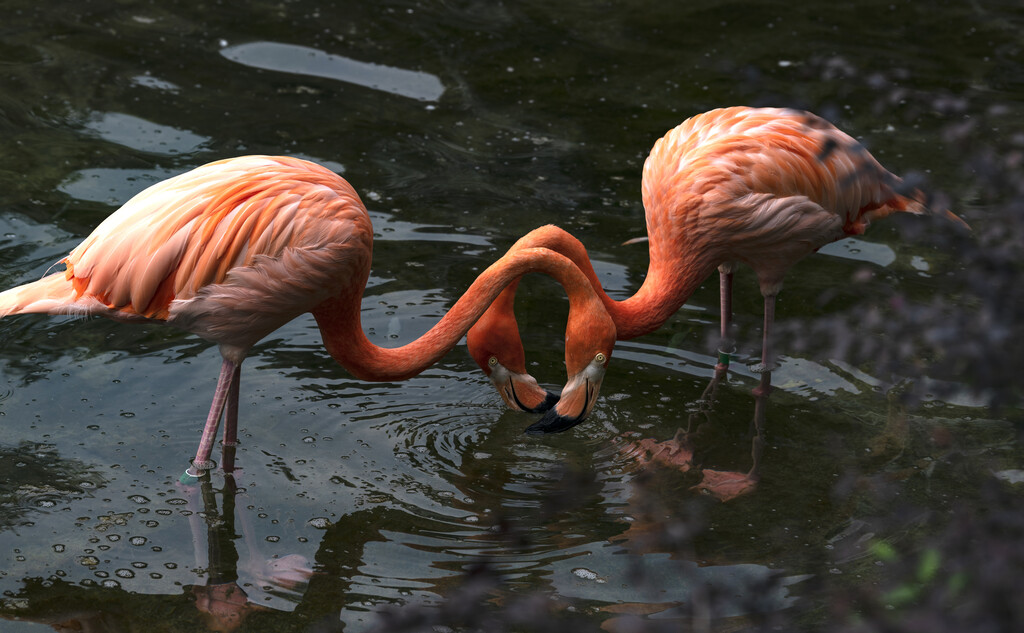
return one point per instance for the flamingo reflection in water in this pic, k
(222, 602)
(680, 452)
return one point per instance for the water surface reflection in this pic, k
(466, 125)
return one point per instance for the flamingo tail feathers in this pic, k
(52, 294)
(917, 203)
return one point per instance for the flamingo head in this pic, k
(589, 338)
(495, 345)
(590, 335)
(576, 400)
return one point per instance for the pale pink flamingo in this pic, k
(761, 186)
(235, 249)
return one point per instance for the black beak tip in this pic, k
(552, 423)
(549, 401)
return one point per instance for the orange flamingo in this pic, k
(237, 248)
(761, 186)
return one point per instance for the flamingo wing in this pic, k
(230, 250)
(764, 186)
(734, 151)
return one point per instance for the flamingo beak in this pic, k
(520, 391)
(576, 401)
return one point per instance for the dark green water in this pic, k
(463, 125)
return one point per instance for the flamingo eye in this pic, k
(492, 361)
(599, 358)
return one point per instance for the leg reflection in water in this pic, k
(678, 452)
(222, 602)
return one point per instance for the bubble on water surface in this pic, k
(586, 574)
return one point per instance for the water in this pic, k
(463, 125)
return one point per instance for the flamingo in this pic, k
(235, 249)
(759, 186)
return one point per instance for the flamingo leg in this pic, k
(202, 460)
(726, 347)
(230, 440)
(767, 353)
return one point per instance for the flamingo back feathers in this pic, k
(726, 154)
(187, 232)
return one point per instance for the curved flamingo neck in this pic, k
(667, 286)
(674, 273)
(341, 328)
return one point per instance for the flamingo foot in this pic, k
(196, 471)
(762, 368)
(726, 485)
(762, 391)
(674, 453)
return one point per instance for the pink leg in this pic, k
(231, 423)
(726, 347)
(220, 397)
(767, 356)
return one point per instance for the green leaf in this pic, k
(928, 565)
(883, 551)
